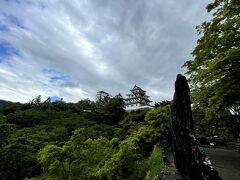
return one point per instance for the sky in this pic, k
(72, 49)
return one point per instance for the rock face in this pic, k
(187, 157)
(184, 142)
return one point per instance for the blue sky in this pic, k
(72, 49)
(55, 98)
(6, 51)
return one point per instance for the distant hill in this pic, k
(2, 102)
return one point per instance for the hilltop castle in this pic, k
(137, 99)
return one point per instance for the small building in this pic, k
(137, 99)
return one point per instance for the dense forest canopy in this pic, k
(84, 140)
(215, 70)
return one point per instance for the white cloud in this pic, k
(100, 45)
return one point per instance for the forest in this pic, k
(84, 140)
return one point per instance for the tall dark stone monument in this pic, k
(187, 157)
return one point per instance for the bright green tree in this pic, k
(79, 158)
(155, 163)
(159, 120)
(128, 162)
(215, 70)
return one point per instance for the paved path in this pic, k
(226, 162)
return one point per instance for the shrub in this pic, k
(155, 163)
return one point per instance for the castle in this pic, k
(137, 99)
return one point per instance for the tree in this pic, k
(113, 111)
(128, 162)
(214, 71)
(18, 155)
(103, 96)
(155, 163)
(81, 106)
(162, 103)
(159, 120)
(79, 158)
(9, 108)
(37, 101)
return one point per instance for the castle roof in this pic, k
(137, 88)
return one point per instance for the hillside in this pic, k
(84, 140)
(4, 102)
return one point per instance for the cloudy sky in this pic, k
(72, 49)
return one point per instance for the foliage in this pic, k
(5, 132)
(155, 163)
(214, 72)
(78, 158)
(84, 140)
(159, 120)
(25, 118)
(2, 119)
(126, 163)
(103, 97)
(162, 103)
(18, 156)
(113, 111)
(37, 101)
(8, 107)
(132, 121)
(81, 106)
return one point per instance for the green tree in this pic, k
(113, 111)
(155, 163)
(31, 117)
(5, 132)
(214, 71)
(128, 162)
(79, 158)
(37, 101)
(159, 120)
(59, 106)
(85, 105)
(9, 107)
(132, 121)
(18, 156)
(162, 103)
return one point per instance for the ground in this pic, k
(225, 161)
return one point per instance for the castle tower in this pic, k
(137, 99)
